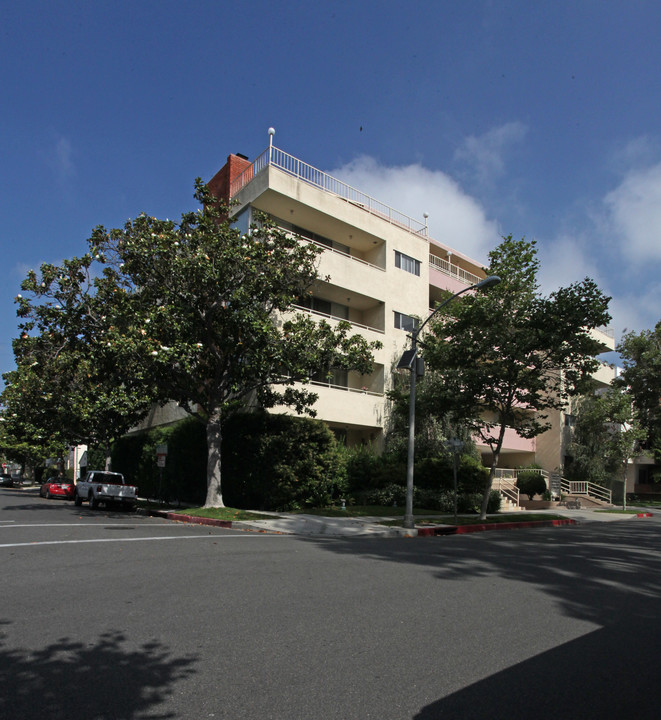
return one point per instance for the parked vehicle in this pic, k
(6, 480)
(101, 486)
(57, 488)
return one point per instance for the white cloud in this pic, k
(634, 215)
(485, 154)
(565, 260)
(61, 161)
(455, 218)
(619, 251)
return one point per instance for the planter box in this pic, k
(538, 504)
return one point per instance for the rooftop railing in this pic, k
(318, 178)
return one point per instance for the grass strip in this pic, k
(225, 513)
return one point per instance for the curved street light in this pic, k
(410, 360)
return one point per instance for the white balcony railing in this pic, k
(361, 391)
(328, 248)
(300, 308)
(446, 267)
(318, 178)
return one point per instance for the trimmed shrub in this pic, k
(279, 462)
(531, 483)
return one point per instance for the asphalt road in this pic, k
(106, 614)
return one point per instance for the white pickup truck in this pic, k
(101, 486)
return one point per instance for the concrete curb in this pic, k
(370, 531)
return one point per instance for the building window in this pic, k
(405, 262)
(241, 221)
(570, 420)
(405, 322)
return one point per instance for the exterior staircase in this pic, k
(509, 494)
(587, 493)
(507, 505)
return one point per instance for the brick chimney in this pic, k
(221, 182)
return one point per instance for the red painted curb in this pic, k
(482, 527)
(644, 515)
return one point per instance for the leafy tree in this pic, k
(606, 435)
(26, 445)
(508, 355)
(193, 312)
(74, 382)
(641, 377)
(434, 424)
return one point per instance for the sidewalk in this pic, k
(295, 524)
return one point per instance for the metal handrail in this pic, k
(318, 178)
(585, 487)
(445, 266)
(507, 487)
(514, 472)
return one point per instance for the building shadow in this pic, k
(609, 673)
(69, 680)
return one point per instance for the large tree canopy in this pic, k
(505, 356)
(641, 377)
(194, 312)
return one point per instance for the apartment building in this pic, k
(380, 269)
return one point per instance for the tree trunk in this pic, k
(108, 460)
(214, 438)
(492, 473)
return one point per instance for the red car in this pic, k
(57, 488)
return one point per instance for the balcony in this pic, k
(605, 336)
(453, 271)
(274, 157)
(330, 316)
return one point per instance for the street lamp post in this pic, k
(411, 361)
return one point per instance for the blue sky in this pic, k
(536, 119)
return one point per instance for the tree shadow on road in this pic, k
(70, 680)
(597, 572)
(607, 574)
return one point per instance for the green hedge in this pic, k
(279, 462)
(271, 462)
(368, 471)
